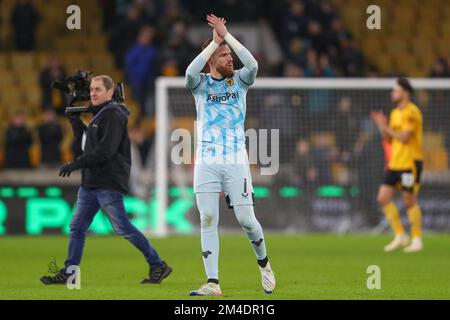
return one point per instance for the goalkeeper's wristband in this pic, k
(209, 50)
(234, 44)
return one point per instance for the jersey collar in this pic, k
(212, 79)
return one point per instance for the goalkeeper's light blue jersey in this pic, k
(221, 107)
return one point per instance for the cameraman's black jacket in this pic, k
(106, 158)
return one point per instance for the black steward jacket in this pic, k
(106, 159)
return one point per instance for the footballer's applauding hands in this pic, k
(221, 157)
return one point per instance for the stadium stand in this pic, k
(414, 35)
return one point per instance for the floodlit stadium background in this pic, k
(331, 156)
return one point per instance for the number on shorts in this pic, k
(408, 180)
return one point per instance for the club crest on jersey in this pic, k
(230, 82)
(221, 98)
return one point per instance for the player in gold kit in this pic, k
(404, 132)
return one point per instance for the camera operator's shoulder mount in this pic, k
(76, 90)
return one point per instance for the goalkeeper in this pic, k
(221, 157)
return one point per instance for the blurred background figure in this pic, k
(346, 125)
(18, 142)
(303, 164)
(52, 99)
(50, 136)
(140, 68)
(178, 53)
(24, 19)
(141, 175)
(123, 35)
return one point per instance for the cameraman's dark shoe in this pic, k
(59, 275)
(157, 274)
(60, 278)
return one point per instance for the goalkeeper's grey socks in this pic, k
(210, 253)
(246, 218)
(208, 205)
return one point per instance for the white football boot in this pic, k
(415, 246)
(209, 289)
(398, 242)
(267, 278)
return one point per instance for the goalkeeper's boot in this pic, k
(59, 275)
(157, 274)
(399, 241)
(415, 246)
(267, 278)
(209, 289)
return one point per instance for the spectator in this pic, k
(298, 51)
(318, 39)
(369, 161)
(178, 52)
(24, 19)
(140, 65)
(124, 35)
(295, 24)
(304, 169)
(322, 158)
(345, 126)
(352, 59)
(50, 135)
(171, 13)
(373, 72)
(140, 176)
(335, 35)
(277, 112)
(440, 69)
(318, 66)
(18, 142)
(323, 12)
(292, 70)
(52, 99)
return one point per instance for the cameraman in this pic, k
(105, 170)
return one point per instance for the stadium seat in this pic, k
(23, 61)
(7, 77)
(4, 61)
(372, 46)
(403, 12)
(445, 29)
(385, 63)
(428, 13)
(101, 62)
(10, 98)
(427, 30)
(443, 47)
(406, 64)
(396, 45)
(33, 96)
(27, 78)
(74, 61)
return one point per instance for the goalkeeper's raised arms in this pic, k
(247, 73)
(193, 77)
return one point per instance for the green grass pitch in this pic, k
(312, 266)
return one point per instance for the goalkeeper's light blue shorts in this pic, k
(234, 179)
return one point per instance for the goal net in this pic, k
(319, 159)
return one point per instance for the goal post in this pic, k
(307, 112)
